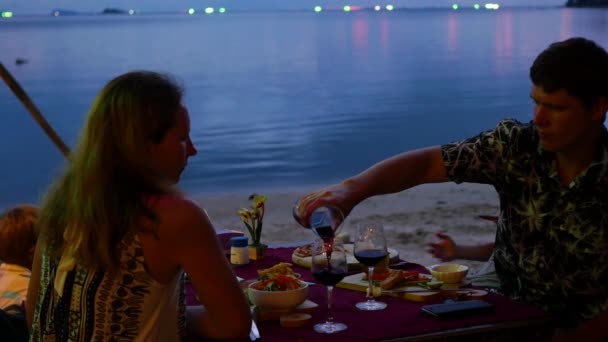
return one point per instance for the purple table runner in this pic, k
(400, 319)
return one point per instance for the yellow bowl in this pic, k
(288, 299)
(449, 273)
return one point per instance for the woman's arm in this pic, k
(193, 244)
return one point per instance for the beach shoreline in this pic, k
(410, 218)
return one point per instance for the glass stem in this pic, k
(330, 316)
(370, 277)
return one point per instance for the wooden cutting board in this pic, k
(353, 264)
(410, 290)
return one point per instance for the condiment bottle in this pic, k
(239, 253)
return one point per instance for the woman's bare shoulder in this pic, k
(171, 202)
(179, 212)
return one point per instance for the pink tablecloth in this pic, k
(401, 318)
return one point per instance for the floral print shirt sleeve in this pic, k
(551, 246)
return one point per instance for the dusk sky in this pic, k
(45, 6)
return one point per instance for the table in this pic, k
(401, 321)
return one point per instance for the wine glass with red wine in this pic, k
(324, 221)
(328, 268)
(370, 249)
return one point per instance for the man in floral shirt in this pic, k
(551, 246)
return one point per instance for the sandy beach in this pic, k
(410, 218)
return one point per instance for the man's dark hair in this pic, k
(577, 65)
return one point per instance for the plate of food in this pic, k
(277, 287)
(411, 285)
(302, 256)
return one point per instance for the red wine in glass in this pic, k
(328, 267)
(370, 257)
(329, 277)
(370, 249)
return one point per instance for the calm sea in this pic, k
(281, 99)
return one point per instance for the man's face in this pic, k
(562, 121)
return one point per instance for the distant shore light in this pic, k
(377, 8)
(491, 6)
(131, 12)
(318, 9)
(56, 13)
(191, 11)
(7, 14)
(455, 6)
(222, 10)
(476, 6)
(209, 10)
(346, 8)
(390, 7)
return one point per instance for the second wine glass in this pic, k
(329, 267)
(370, 248)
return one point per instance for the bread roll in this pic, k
(392, 280)
(295, 320)
(307, 307)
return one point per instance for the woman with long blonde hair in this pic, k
(116, 236)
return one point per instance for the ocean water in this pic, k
(283, 99)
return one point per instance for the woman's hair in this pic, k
(101, 195)
(18, 234)
(577, 65)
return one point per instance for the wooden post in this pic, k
(33, 110)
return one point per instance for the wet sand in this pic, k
(410, 218)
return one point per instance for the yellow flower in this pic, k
(252, 218)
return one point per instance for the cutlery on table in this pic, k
(255, 333)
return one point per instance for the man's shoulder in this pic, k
(516, 135)
(514, 128)
(508, 134)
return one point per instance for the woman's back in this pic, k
(115, 204)
(127, 305)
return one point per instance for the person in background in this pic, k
(446, 249)
(551, 175)
(17, 244)
(116, 235)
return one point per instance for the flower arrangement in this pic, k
(253, 218)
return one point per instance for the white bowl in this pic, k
(449, 273)
(288, 299)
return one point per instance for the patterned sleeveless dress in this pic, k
(98, 306)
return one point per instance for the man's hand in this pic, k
(343, 196)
